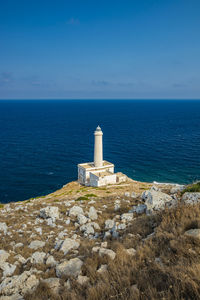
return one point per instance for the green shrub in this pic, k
(192, 188)
(90, 195)
(82, 198)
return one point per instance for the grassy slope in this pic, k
(166, 266)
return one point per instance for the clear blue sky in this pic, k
(99, 49)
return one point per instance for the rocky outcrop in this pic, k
(69, 268)
(49, 212)
(26, 282)
(156, 200)
(191, 198)
(69, 244)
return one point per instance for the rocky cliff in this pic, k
(129, 241)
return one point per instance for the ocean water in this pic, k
(41, 142)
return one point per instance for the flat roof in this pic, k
(103, 173)
(90, 165)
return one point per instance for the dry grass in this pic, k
(166, 265)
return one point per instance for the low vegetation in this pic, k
(166, 265)
(192, 188)
(164, 262)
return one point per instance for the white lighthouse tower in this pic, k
(98, 147)
(99, 172)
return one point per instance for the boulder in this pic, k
(131, 251)
(117, 205)
(95, 225)
(82, 219)
(121, 226)
(195, 233)
(75, 211)
(156, 200)
(177, 188)
(92, 213)
(3, 228)
(36, 244)
(38, 257)
(108, 252)
(109, 224)
(127, 217)
(8, 269)
(49, 212)
(82, 279)
(102, 269)
(69, 244)
(87, 229)
(19, 284)
(127, 194)
(70, 267)
(3, 256)
(51, 261)
(95, 249)
(191, 198)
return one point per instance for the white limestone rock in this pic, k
(92, 213)
(69, 244)
(108, 252)
(139, 209)
(36, 244)
(87, 229)
(75, 211)
(51, 261)
(121, 226)
(19, 284)
(95, 225)
(133, 195)
(109, 224)
(102, 269)
(131, 251)
(82, 219)
(18, 245)
(104, 244)
(127, 194)
(107, 234)
(127, 217)
(195, 233)
(82, 279)
(191, 198)
(70, 267)
(38, 257)
(50, 222)
(8, 269)
(156, 200)
(49, 212)
(3, 228)
(3, 256)
(177, 188)
(20, 259)
(95, 249)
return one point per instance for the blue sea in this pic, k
(42, 141)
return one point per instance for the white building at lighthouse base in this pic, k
(90, 175)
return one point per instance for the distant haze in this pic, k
(99, 49)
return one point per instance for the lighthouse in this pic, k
(99, 172)
(98, 147)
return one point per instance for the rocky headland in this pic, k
(132, 240)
